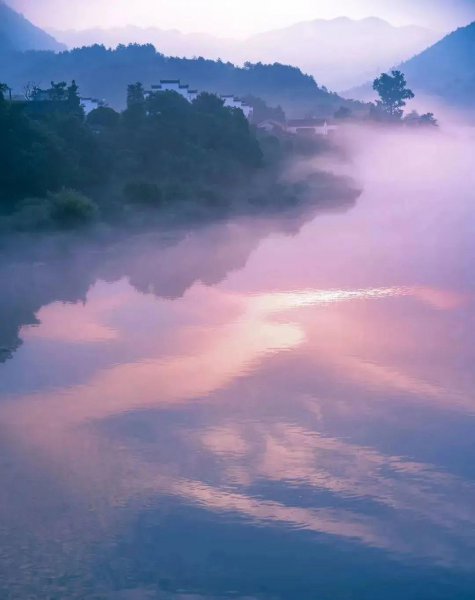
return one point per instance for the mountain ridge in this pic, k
(18, 33)
(319, 47)
(113, 70)
(447, 68)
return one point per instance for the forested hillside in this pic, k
(106, 73)
(447, 69)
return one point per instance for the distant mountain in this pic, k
(339, 53)
(168, 41)
(447, 69)
(17, 33)
(342, 52)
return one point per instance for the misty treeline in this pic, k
(162, 154)
(393, 95)
(104, 73)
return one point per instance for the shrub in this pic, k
(70, 209)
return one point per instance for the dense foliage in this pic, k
(261, 111)
(160, 149)
(393, 93)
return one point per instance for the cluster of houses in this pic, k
(310, 126)
(293, 126)
(166, 85)
(175, 85)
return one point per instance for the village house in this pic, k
(171, 85)
(310, 127)
(271, 126)
(192, 95)
(231, 101)
(298, 127)
(175, 85)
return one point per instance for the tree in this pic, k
(70, 209)
(144, 193)
(393, 92)
(58, 91)
(429, 119)
(170, 105)
(3, 90)
(33, 158)
(29, 90)
(104, 117)
(343, 113)
(261, 111)
(135, 112)
(208, 103)
(135, 95)
(414, 119)
(74, 101)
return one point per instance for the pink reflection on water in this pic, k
(356, 314)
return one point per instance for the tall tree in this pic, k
(58, 91)
(135, 112)
(73, 95)
(393, 93)
(135, 95)
(3, 90)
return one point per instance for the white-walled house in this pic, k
(231, 101)
(246, 109)
(298, 127)
(175, 85)
(172, 85)
(310, 126)
(192, 95)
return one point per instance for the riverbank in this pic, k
(161, 161)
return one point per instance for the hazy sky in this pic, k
(231, 17)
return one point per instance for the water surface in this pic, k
(276, 407)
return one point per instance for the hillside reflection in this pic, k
(36, 272)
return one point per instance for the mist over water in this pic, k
(272, 407)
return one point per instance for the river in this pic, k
(278, 408)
